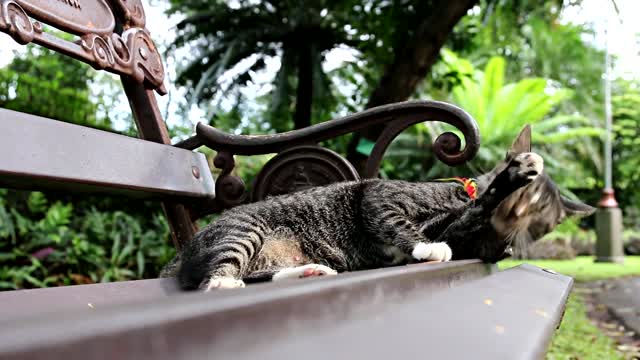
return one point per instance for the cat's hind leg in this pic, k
(220, 282)
(304, 271)
(295, 272)
(220, 265)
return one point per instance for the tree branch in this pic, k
(412, 63)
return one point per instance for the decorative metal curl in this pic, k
(133, 50)
(447, 146)
(146, 62)
(122, 54)
(396, 118)
(230, 189)
(17, 23)
(300, 168)
(133, 53)
(131, 13)
(101, 49)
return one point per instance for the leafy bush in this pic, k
(567, 241)
(49, 239)
(631, 239)
(50, 243)
(551, 249)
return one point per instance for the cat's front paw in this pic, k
(526, 167)
(219, 282)
(432, 252)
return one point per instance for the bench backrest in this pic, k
(40, 153)
(112, 36)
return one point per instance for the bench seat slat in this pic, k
(75, 299)
(39, 153)
(390, 313)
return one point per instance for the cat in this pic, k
(358, 225)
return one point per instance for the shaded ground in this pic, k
(578, 338)
(588, 330)
(614, 306)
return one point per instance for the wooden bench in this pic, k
(460, 309)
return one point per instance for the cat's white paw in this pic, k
(303, 271)
(531, 165)
(432, 251)
(223, 283)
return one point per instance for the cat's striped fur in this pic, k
(375, 223)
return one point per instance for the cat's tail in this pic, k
(228, 256)
(172, 268)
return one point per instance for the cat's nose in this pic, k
(536, 161)
(531, 164)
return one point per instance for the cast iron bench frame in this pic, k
(447, 310)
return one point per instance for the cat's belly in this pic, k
(394, 256)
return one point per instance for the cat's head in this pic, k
(534, 210)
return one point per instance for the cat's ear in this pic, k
(572, 208)
(523, 142)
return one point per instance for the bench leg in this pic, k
(151, 127)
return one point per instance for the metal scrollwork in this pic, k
(300, 168)
(301, 164)
(132, 53)
(101, 50)
(17, 22)
(132, 12)
(146, 62)
(447, 146)
(230, 189)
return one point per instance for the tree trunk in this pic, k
(412, 62)
(304, 91)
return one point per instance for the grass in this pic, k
(583, 268)
(577, 337)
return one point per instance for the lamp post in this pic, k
(609, 246)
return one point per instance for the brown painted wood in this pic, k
(22, 304)
(19, 305)
(436, 311)
(39, 153)
(151, 127)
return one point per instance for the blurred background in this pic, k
(267, 66)
(258, 67)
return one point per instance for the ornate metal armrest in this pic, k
(301, 163)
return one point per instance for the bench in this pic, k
(459, 309)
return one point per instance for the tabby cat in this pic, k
(376, 223)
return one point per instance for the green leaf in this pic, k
(140, 263)
(37, 202)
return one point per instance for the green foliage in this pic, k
(501, 109)
(46, 83)
(233, 41)
(47, 243)
(579, 338)
(49, 239)
(626, 142)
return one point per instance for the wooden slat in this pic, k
(444, 311)
(39, 153)
(152, 127)
(18, 305)
(21, 304)
(440, 311)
